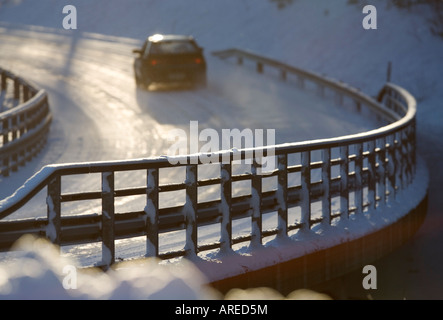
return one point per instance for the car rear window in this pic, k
(173, 47)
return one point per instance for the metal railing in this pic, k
(348, 175)
(24, 128)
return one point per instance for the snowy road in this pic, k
(100, 115)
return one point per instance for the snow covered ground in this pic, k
(99, 115)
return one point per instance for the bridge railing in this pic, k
(24, 128)
(348, 175)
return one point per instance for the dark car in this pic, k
(170, 59)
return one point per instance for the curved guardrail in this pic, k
(24, 128)
(364, 171)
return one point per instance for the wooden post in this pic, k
(282, 196)
(256, 199)
(152, 213)
(226, 208)
(5, 127)
(190, 211)
(3, 80)
(108, 219)
(372, 176)
(17, 89)
(53, 203)
(382, 169)
(259, 67)
(358, 169)
(326, 185)
(344, 189)
(306, 191)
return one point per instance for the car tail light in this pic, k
(154, 62)
(198, 60)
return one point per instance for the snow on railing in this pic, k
(24, 128)
(359, 173)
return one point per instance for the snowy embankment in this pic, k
(100, 115)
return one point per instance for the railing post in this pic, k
(4, 77)
(53, 204)
(358, 189)
(326, 186)
(14, 157)
(305, 191)
(400, 159)
(344, 188)
(282, 195)
(259, 67)
(382, 171)
(151, 213)
(190, 211)
(256, 201)
(17, 89)
(226, 208)
(108, 219)
(391, 165)
(5, 128)
(372, 176)
(26, 95)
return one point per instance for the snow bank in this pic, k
(39, 272)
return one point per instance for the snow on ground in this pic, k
(87, 74)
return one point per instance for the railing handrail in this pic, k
(23, 107)
(322, 79)
(24, 127)
(390, 164)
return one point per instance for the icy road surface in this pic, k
(100, 115)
